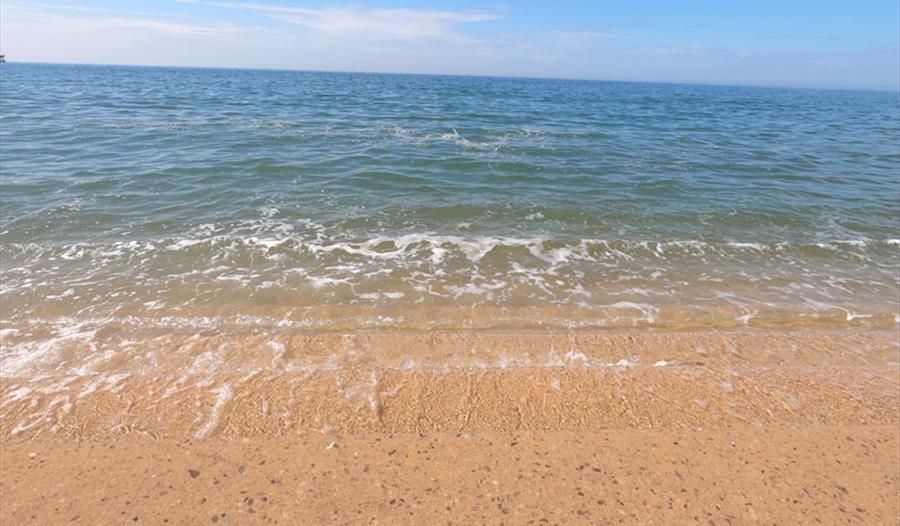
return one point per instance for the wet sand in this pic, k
(462, 427)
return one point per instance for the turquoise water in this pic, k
(193, 194)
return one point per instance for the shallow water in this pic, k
(192, 197)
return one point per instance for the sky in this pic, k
(799, 43)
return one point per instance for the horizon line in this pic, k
(895, 91)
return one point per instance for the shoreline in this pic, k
(207, 384)
(248, 349)
(510, 427)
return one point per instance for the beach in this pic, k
(739, 475)
(741, 427)
(240, 296)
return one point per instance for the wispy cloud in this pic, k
(367, 22)
(175, 28)
(75, 18)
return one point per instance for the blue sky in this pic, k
(825, 43)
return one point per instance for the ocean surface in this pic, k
(200, 198)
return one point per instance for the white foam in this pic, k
(16, 394)
(324, 281)
(650, 312)
(624, 362)
(576, 356)
(65, 294)
(223, 395)
(111, 383)
(269, 211)
(379, 295)
(5, 333)
(278, 352)
(17, 360)
(663, 363)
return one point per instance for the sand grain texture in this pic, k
(468, 428)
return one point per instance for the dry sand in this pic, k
(464, 427)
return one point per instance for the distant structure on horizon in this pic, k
(2, 59)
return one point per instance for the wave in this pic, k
(279, 268)
(436, 247)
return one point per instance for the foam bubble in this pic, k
(223, 395)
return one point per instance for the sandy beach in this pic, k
(736, 427)
(731, 475)
(268, 296)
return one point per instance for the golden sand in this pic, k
(461, 427)
(740, 475)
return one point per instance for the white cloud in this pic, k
(365, 22)
(175, 28)
(77, 18)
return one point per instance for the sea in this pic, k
(140, 200)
